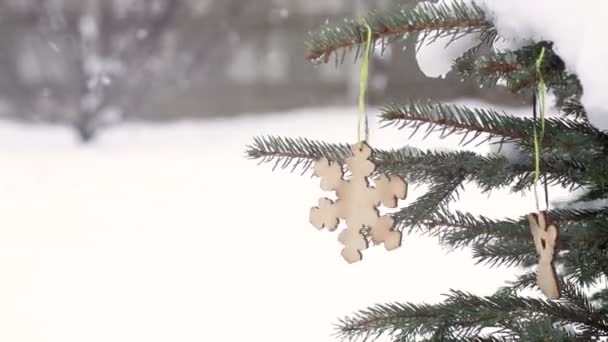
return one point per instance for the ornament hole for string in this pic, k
(543, 243)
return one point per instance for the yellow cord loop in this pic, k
(362, 117)
(539, 138)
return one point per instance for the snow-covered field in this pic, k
(167, 233)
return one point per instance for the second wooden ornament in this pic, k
(357, 203)
(545, 237)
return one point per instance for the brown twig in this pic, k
(326, 51)
(394, 116)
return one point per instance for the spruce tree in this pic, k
(573, 155)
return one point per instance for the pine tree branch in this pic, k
(446, 172)
(517, 69)
(437, 199)
(585, 266)
(294, 153)
(415, 165)
(591, 194)
(564, 139)
(583, 241)
(568, 91)
(524, 281)
(419, 166)
(576, 296)
(450, 119)
(567, 311)
(494, 242)
(464, 316)
(600, 299)
(432, 20)
(571, 288)
(508, 242)
(504, 253)
(455, 339)
(486, 123)
(457, 229)
(573, 107)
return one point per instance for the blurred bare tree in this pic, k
(89, 63)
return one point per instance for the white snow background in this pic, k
(167, 233)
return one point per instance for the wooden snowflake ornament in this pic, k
(357, 203)
(545, 237)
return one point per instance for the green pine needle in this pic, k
(467, 317)
(432, 21)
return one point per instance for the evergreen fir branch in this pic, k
(450, 119)
(386, 319)
(458, 229)
(416, 166)
(433, 21)
(595, 322)
(570, 174)
(571, 288)
(524, 281)
(600, 300)
(464, 316)
(490, 68)
(446, 172)
(419, 166)
(493, 240)
(435, 200)
(427, 166)
(504, 253)
(572, 137)
(487, 172)
(585, 266)
(570, 273)
(439, 337)
(568, 88)
(294, 153)
(571, 219)
(569, 166)
(455, 339)
(593, 193)
(576, 296)
(518, 69)
(569, 311)
(573, 107)
(487, 39)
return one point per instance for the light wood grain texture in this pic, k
(357, 203)
(545, 237)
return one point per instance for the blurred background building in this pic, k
(92, 64)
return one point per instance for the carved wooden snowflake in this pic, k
(545, 237)
(357, 203)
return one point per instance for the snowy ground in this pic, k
(167, 233)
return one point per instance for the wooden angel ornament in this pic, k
(545, 237)
(357, 203)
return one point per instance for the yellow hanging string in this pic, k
(362, 117)
(538, 139)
